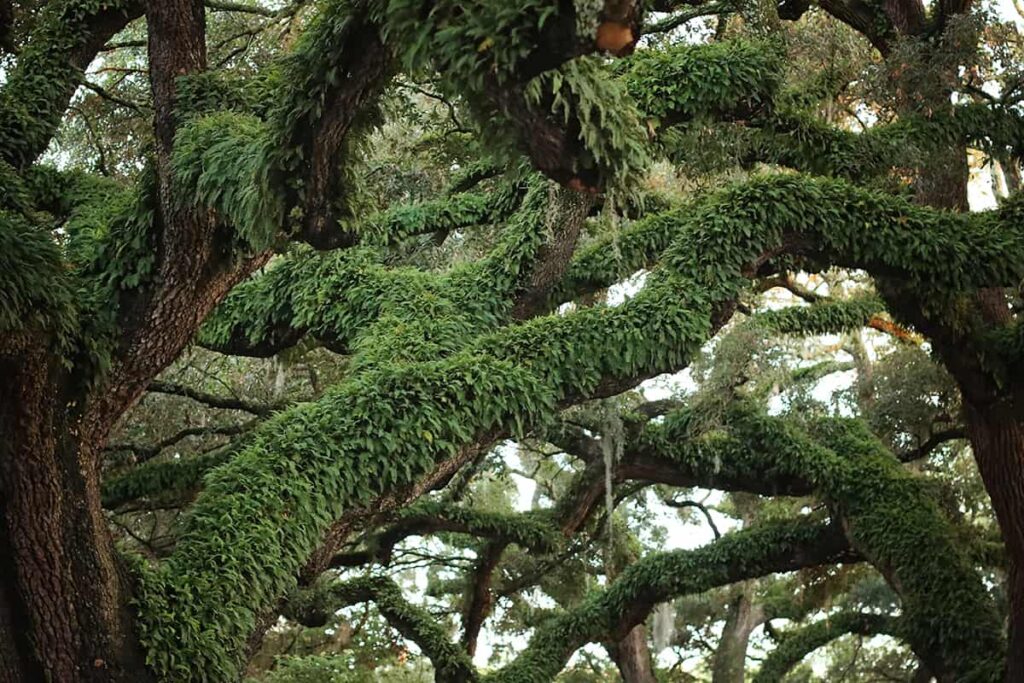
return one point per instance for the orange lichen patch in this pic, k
(615, 37)
(889, 327)
(577, 184)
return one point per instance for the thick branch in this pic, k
(758, 551)
(798, 644)
(67, 37)
(450, 662)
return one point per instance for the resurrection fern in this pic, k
(583, 94)
(220, 162)
(731, 79)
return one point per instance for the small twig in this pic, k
(694, 504)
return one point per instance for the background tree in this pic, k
(415, 209)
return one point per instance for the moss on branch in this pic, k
(799, 643)
(451, 663)
(760, 550)
(36, 91)
(263, 513)
(733, 79)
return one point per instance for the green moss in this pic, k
(832, 316)
(535, 531)
(418, 625)
(651, 580)
(36, 294)
(219, 162)
(583, 94)
(887, 514)
(377, 311)
(727, 79)
(38, 88)
(264, 512)
(948, 616)
(801, 642)
(159, 479)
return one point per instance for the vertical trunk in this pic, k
(730, 660)
(1011, 173)
(995, 429)
(632, 657)
(63, 614)
(997, 437)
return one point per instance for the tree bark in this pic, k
(997, 438)
(63, 595)
(730, 659)
(995, 426)
(632, 657)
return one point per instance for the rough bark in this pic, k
(567, 215)
(997, 437)
(730, 659)
(632, 657)
(63, 594)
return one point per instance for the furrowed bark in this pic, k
(64, 594)
(632, 657)
(997, 439)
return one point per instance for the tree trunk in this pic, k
(995, 427)
(730, 660)
(997, 437)
(63, 597)
(632, 657)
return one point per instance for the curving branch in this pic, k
(441, 399)
(144, 452)
(212, 400)
(757, 551)
(797, 644)
(530, 530)
(450, 662)
(162, 479)
(481, 596)
(933, 442)
(66, 38)
(867, 489)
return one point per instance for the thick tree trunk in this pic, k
(997, 437)
(632, 657)
(730, 660)
(995, 428)
(63, 598)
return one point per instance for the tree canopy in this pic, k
(397, 340)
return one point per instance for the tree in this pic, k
(223, 209)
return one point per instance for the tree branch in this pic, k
(145, 452)
(450, 661)
(758, 551)
(212, 400)
(933, 442)
(66, 38)
(798, 643)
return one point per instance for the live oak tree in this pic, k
(208, 193)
